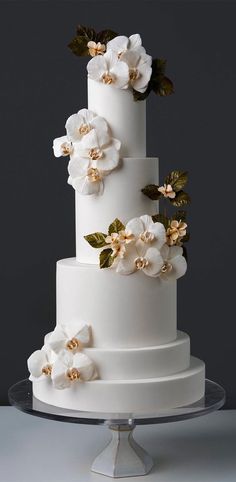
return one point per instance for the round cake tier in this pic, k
(126, 118)
(122, 198)
(143, 395)
(136, 363)
(123, 311)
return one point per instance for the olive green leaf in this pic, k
(179, 216)
(159, 83)
(116, 226)
(105, 36)
(160, 218)
(79, 44)
(185, 238)
(180, 199)
(177, 179)
(96, 240)
(152, 192)
(106, 258)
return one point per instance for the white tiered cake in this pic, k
(116, 341)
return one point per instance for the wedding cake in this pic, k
(116, 347)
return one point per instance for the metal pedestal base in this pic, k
(122, 457)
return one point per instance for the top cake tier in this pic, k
(126, 118)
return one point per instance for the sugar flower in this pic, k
(96, 48)
(118, 241)
(149, 263)
(167, 191)
(85, 179)
(109, 70)
(147, 232)
(121, 44)
(71, 336)
(69, 368)
(174, 264)
(80, 124)
(140, 69)
(175, 232)
(40, 364)
(102, 155)
(62, 146)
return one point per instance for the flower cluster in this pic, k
(124, 64)
(93, 152)
(141, 245)
(61, 358)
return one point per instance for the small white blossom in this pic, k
(96, 48)
(70, 336)
(69, 368)
(62, 146)
(40, 364)
(109, 70)
(174, 264)
(167, 191)
(80, 124)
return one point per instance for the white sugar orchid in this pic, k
(149, 262)
(69, 368)
(103, 154)
(72, 336)
(144, 254)
(109, 70)
(85, 179)
(80, 124)
(174, 264)
(62, 146)
(147, 232)
(121, 44)
(40, 364)
(140, 69)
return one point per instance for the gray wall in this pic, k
(42, 83)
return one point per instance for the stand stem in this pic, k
(122, 457)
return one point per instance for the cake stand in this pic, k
(122, 457)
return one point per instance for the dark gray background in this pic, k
(42, 83)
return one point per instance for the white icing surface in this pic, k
(123, 311)
(122, 198)
(136, 363)
(143, 395)
(127, 118)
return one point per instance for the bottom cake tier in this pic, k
(141, 395)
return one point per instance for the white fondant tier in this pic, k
(123, 311)
(122, 198)
(126, 118)
(136, 363)
(143, 395)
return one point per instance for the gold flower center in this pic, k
(73, 344)
(95, 154)
(73, 374)
(84, 129)
(108, 78)
(47, 370)
(93, 174)
(147, 237)
(66, 148)
(166, 268)
(141, 262)
(133, 74)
